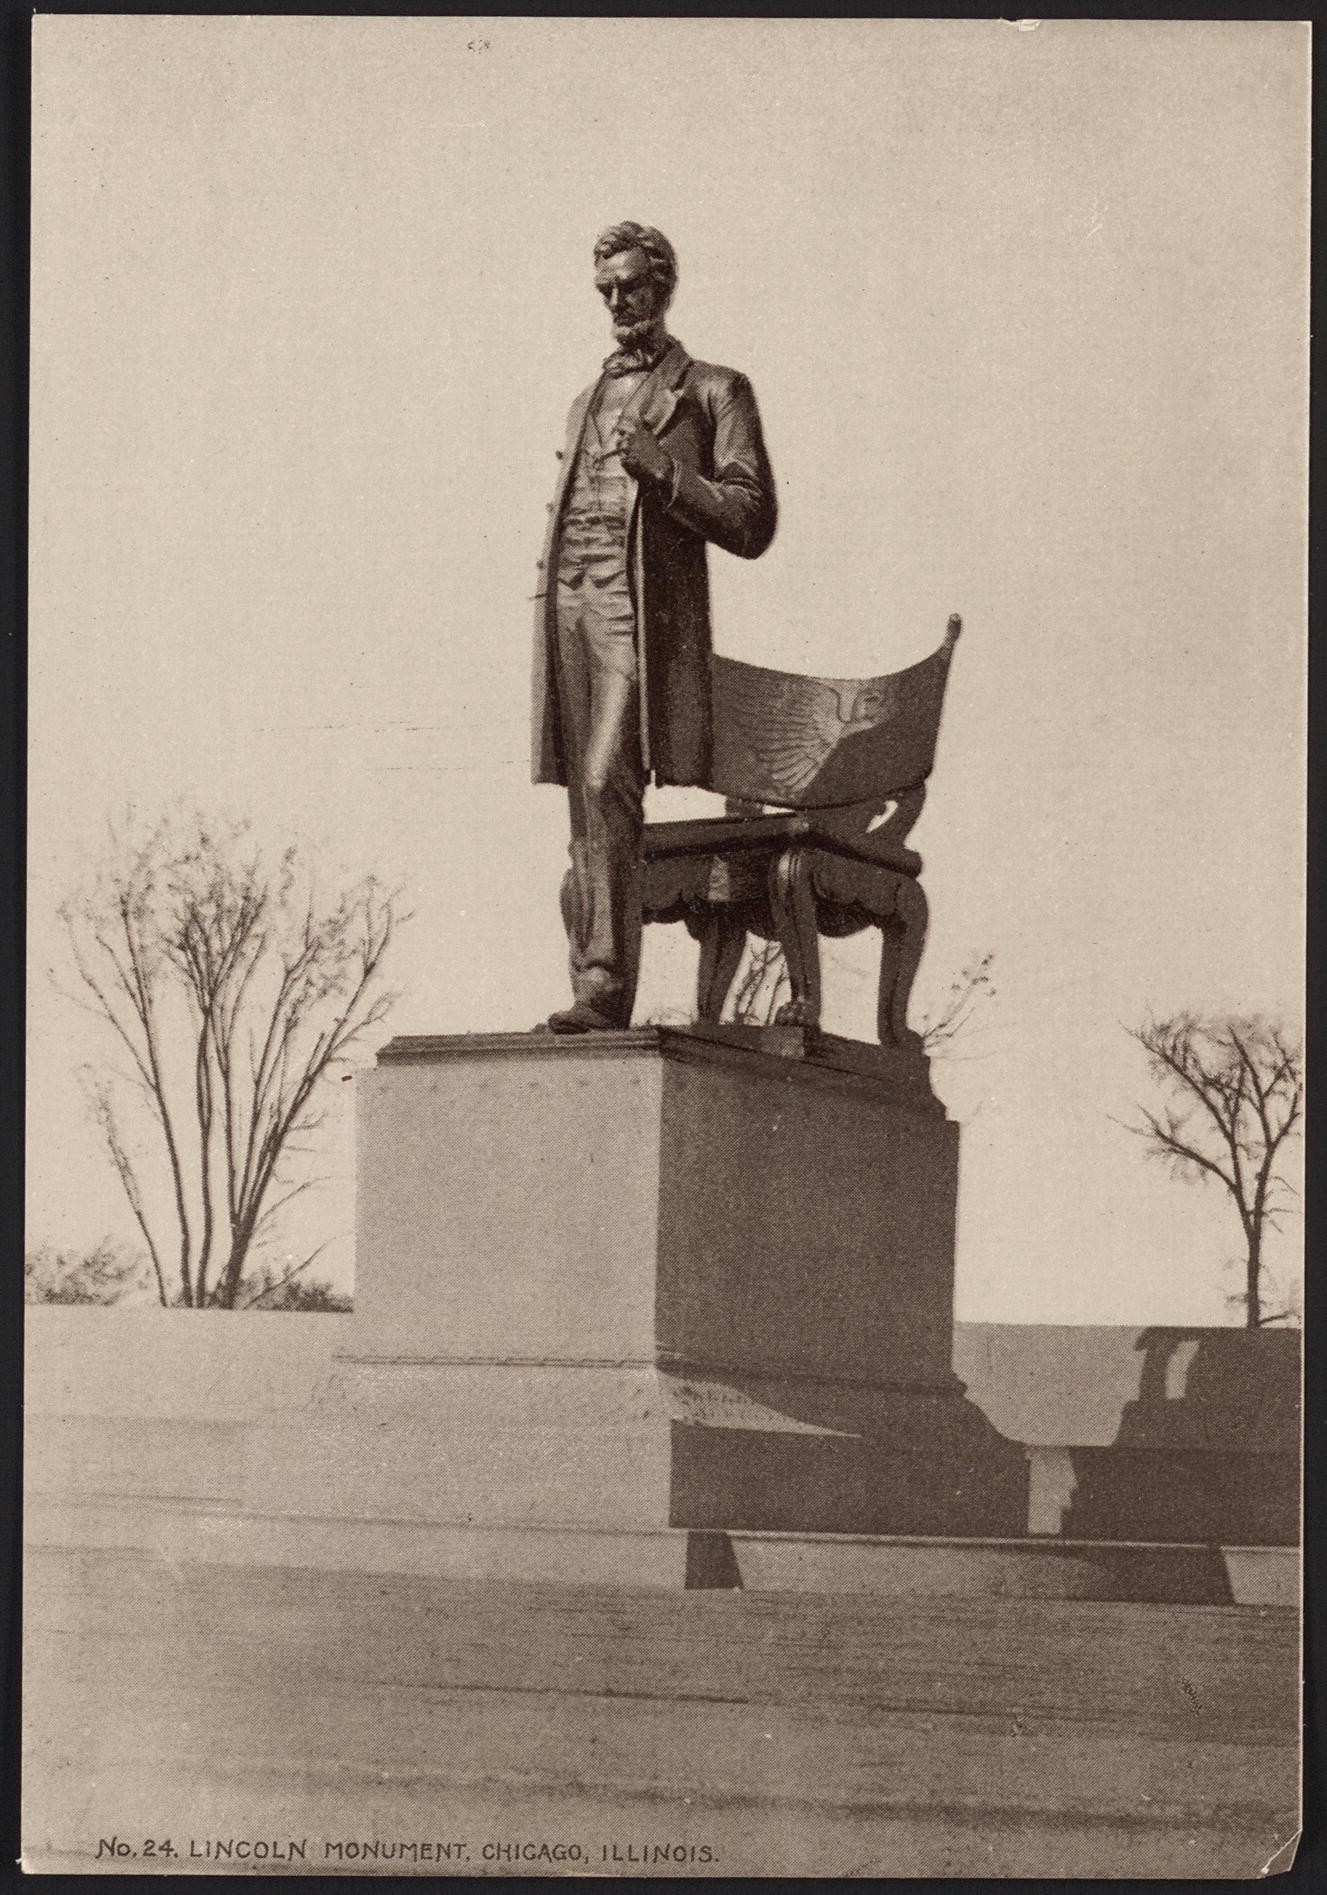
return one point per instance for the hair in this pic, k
(656, 247)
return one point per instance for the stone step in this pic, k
(675, 1559)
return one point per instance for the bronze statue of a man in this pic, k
(663, 455)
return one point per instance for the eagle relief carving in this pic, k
(807, 743)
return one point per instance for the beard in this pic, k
(630, 336)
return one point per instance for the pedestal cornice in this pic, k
(900, 1073)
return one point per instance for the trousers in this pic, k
(599, 689)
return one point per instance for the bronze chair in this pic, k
(823, 780)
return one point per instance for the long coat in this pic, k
(706, 420)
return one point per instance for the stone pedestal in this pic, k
(664, 1278)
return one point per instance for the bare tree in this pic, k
(235, 992)
(762, 985)
(103, 1275)
(943, 1023)
(290, 1290)
(1236, 1093)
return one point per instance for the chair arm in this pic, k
(767, 835)
(723, 835)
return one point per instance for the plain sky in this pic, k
(1025, 311)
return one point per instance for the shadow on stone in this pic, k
(1190, 1575)
(711, 1563)
(944, 1470)
(1207, 1451)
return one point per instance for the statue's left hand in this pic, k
(641, 454)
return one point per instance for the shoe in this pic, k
(582, 1018)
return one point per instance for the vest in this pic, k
(594, 520)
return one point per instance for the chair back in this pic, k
(817, 743)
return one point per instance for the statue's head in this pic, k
(635, 271)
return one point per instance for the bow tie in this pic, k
(629, 362)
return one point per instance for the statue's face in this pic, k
(634, 299)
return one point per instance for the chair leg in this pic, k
(793, 907)
(722, 939)
(902, 938)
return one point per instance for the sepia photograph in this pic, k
(665, 935)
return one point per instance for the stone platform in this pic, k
(671, 1278)
(373, 1723)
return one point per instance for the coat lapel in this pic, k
(576, 419)
(575, 429)
(665, 389)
